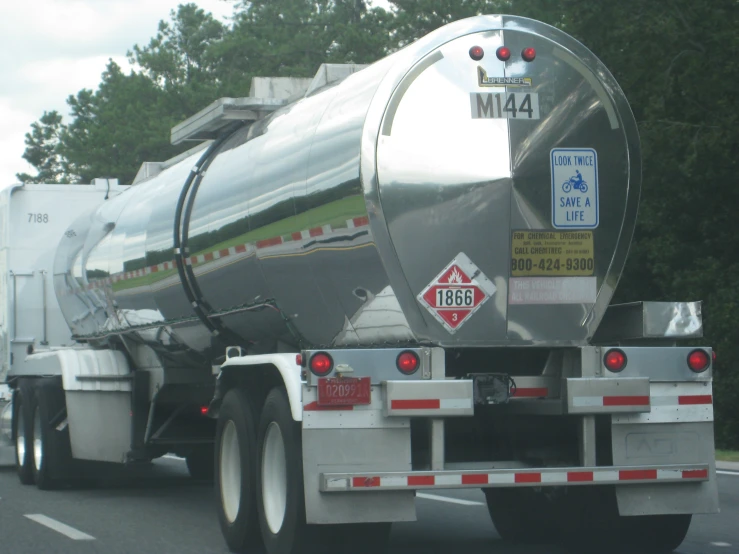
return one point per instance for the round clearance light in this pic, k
(477, 53)
(615, 360)
(503, 53)
(528, 54)
(407, 362)
(698, 361)
(321, 364)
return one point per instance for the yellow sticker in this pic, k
(552, 253)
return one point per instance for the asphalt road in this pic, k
(161, 510)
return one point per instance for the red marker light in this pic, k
(407, 362)
(477, 53)
(698, 361)
(321, 364)
(528, 54)
(503, 53)
(204, 410)
(299, 359)
(615, 360)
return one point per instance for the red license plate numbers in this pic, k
(343, 391)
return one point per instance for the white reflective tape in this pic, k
(608, 475)
(394, 481)
(501, 478)
(553, 477)
(587, 401)
(448, 480)
(455, 403)
(669, 474)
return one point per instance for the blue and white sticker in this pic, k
(574, 188)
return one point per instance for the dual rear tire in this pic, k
(43, 451)
(585, 519)
(259, 485)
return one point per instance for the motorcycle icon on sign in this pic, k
(575, 182)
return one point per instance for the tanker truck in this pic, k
(387, 279)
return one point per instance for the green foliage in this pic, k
(42, 150)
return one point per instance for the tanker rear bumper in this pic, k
(518, 477)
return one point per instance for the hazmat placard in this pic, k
(552, 253)
(456, 293)
(574, 188)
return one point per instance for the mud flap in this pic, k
(664, 444)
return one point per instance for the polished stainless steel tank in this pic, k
(476, 188)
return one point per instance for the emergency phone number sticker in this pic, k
(552, 253)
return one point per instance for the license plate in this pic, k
(343, 391)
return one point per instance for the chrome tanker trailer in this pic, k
(388, 279)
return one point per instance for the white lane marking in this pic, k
(734, 473)
(60, 527)
(447, 499)
(173, 457)
(720, 544)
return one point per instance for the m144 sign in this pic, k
(456, 293)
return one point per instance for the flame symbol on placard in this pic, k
(455, 277)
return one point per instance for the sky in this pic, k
(51, 49)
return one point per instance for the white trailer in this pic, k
(32, 218)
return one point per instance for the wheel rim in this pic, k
(38, 446)
(20, 437)
(230, 472)
(274, 478)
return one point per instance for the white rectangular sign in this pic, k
(574, 188)
(551, 290)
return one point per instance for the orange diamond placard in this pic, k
(456, 293)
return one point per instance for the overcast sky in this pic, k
(50, 49)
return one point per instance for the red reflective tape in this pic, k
(359, 221)
(695, 399)
(626, 401)
(579, 476)
(421, 480)
(314, 407)
(531, 392)
(527, 478)
(423, 404)
(274, 241)
(475, 479)
(208, 256)
(695, 474)
(365, 482)
(223, 253)
(636, 474)
(315, 232)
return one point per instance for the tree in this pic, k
(42, 150)
(116, 128)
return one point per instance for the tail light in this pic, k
(615, 360)
(503, 53)
(699, 360)
(407, 362)
(321, 364)
(528, 54)
(477, 53)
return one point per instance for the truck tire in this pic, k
(201, 464)
(590, 522)
(521, 515)
(280, 495)
(23, 432)
(659, 534)
(235, 474)
(52, 452)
